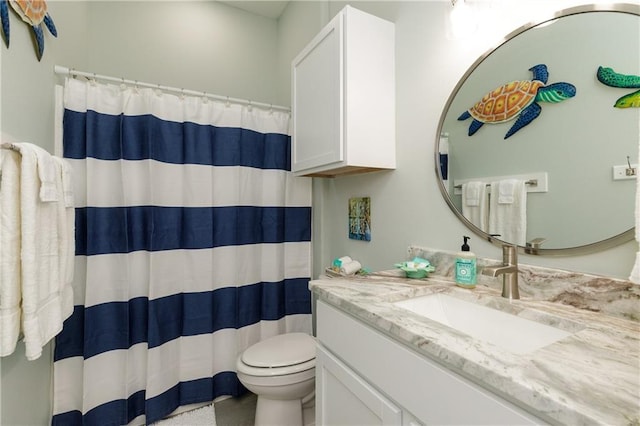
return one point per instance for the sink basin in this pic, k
(510, 332)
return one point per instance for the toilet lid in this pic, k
(281, 351)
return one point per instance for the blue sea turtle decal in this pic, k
(517, 99)
(34, 13)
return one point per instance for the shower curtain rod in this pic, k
(58, 69)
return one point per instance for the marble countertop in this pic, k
(590, 377)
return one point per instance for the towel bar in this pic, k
(530, 182)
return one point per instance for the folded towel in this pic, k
(474, 204)
(46, 171)
(350, 268)
(471, 193)
(37, 247)
(507, 189)
(67, 182)
(66, 233)
(43, 289)
(10, 281)
(508, 219)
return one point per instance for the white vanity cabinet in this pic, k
(366, 377)
(343, 98)
(347, 399)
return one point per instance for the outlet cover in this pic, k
(623, 172)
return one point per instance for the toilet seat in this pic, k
(275, 371)
(280, 355)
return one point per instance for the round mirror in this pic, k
(571, 147)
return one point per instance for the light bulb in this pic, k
(462, 20)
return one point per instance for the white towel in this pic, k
(634, 277)
(66, 236)
(10, 282)
(45, 296)
(508, 211)
(350, 268)
(67, 182)
(474, 204)
(47, 174)
(506, 191)
(46, 168)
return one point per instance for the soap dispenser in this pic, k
(465, 266)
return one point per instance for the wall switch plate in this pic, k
(624, 172)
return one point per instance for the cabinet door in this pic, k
(343, 398)
(317, 100)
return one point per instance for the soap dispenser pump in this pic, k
(465, 266)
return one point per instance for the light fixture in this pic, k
(463, 23)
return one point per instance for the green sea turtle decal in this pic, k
(609, 77)
(517, 99)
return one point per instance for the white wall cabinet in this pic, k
(343, 98)
(421, 390)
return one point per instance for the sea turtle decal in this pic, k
(517, 99)
(33, 12)
(609, 77)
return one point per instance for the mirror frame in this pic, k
(608, 243)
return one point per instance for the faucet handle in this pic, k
(533, 245)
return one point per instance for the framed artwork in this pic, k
(360, 218)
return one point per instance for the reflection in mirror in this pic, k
(568, 150)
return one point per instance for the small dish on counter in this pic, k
(416, 268)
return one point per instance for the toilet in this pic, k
(281, 371)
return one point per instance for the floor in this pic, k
(236, 411)
(229, 412)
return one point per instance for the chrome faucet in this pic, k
(508, 270)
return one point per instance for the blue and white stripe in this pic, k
(192, 243)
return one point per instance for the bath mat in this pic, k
(201, 416)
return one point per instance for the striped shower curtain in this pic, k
(192, 243)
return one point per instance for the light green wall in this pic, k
(26, 114)
(198, 45)
(406, 204)
(210, 47)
